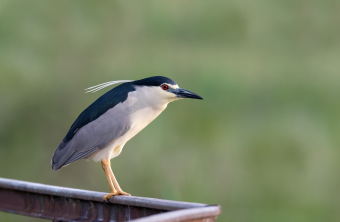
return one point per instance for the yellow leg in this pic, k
(106, 164)
(107, 174)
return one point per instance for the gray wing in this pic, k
(93, 137)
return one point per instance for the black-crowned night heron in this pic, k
(102, 129)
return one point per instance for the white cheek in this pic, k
(156, 95)
(152, 96)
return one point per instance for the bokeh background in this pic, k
(264, 142)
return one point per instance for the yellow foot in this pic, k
(119, 192)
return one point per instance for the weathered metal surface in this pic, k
(66, 204)
(68, 209)
(206, 214)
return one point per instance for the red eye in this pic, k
(165, 87)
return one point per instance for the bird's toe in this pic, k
(119, 192)
(108, 197)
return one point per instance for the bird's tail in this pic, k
(64, 155)
(60, 156)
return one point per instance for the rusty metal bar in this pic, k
(67, 204)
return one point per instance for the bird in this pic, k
(103, 128)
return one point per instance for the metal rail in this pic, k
(67, 204)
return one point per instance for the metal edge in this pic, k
(96, 196)
(183, 215)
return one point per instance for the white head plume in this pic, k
(103, 85)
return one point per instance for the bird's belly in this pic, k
(139, 120)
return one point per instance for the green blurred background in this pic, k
(264, 142)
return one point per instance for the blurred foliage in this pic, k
(264, 142)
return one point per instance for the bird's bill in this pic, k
(182, 93)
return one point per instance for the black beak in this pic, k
(182, 93)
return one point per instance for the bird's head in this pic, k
(156, 90)
(163, 88)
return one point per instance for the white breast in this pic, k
(143, 109)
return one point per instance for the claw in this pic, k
(119, 192)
